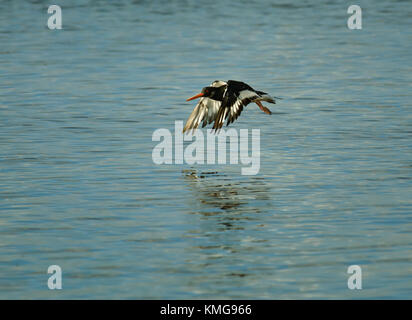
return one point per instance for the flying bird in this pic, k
(224, 100)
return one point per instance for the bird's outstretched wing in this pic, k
(237, 96)
(205, 112)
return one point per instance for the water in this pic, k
(78, 187)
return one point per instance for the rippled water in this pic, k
(78, 187)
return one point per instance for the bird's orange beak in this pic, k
(195, 97)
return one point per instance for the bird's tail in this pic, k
(267, 97)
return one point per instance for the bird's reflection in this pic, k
(233, 211)
(232, 200)
(213, 192)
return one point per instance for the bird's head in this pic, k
(206, 92)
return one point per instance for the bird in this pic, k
(224, 100)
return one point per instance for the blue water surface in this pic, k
(79, 189)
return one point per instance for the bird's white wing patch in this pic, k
(247, 94)
(205, 112)
(235, 108)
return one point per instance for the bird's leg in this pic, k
(263, 108)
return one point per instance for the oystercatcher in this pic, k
(224, 100)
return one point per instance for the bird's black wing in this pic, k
(238, 95)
